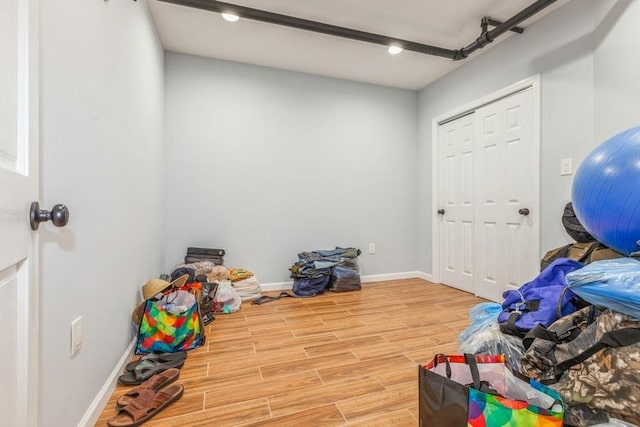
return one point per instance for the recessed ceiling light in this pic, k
(231, 17)
(394, 49)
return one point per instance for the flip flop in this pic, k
(157, 357)
(146, 369)
(154, 383)
(146, 406)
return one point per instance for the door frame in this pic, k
(29, 298)
(533, 83)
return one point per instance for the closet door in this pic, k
(507, 226)
(455, 210)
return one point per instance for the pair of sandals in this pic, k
(143, 402)
(150, 364)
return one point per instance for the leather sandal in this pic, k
(146, 406)
(157, 357)
(146, 369)
(154, 383)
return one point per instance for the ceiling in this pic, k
(449, 24)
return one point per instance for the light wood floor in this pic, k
(334, 360)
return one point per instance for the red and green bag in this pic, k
(481, 391)
(171, 323)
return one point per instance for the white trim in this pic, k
(532, 82)
(285, 286)
(435, 219)
(426, 276)
(389, 276)
(276, 286)
(102, 398)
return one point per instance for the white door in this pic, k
(18, 188)
(455, 204)
(506, 195)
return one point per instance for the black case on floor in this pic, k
(205, 251)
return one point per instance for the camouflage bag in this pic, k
(592, 358)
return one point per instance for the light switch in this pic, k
(566, 166)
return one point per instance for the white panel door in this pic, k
(456, 202)
(18, 188)
(506, 195)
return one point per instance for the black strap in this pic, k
(509, 327)
(612, 339)
(446, 362)
(470, 360)
(539, 331)
(477, 384)
(265, 299)
(559, 304)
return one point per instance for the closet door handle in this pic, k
(440, 211)
(524, 211)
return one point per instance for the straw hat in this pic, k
(151, 289)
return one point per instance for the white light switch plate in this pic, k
(566, 166)
(76, 335)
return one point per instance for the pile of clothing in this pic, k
(335, 269)
(233, 285)
(245, 283)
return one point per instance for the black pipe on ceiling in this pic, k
(485, 37)
(488, 36)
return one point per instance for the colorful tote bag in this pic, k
(481, 391)
(170, 324)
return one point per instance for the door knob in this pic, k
(440, 211)
(524, 211)
(59, 215)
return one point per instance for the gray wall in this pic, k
(560, 48)
(617, 68)
(267, 163)
(102, 155)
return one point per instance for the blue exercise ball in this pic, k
(606, 192)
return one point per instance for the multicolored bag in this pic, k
(171, 324)
(478, 391)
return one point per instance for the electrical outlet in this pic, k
(76, 336)
(372, 248)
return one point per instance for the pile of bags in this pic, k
(177, 307)
(574, 328)
(336, 270)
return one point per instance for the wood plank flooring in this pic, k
(347, 359)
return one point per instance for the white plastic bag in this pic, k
(491, 340)
(227, 298)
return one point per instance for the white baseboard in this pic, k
(389, 276)
(95, 409)
(425, 276)
(286, 286)
(276, 286)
